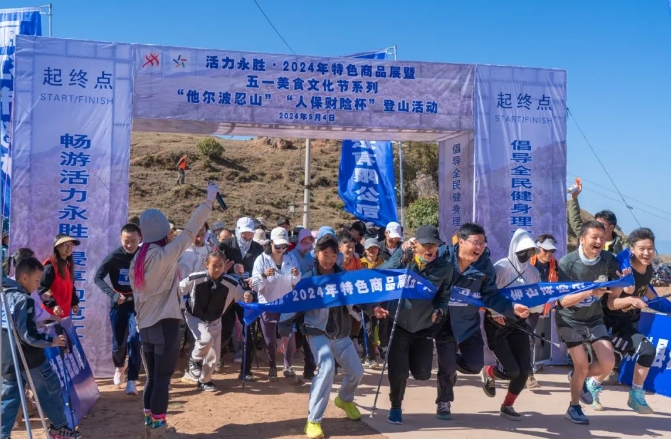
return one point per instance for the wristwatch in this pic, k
(263, 275)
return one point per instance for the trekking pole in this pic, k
(533, 334)
(386, 357)
(17, 368)
(244, 354)
(63, 350)
(365, 336)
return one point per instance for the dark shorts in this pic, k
(626, 339)
(577, 334)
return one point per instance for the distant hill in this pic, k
(259, 177)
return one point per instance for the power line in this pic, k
(614, 191)
(273, 26)
(641, 210)
(631, 209)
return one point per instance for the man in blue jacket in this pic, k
(460, 330)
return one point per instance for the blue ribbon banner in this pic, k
(536, 294)
(25, 21)
(346, 288)
(660, 304)
(366, 182)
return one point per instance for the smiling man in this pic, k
(460, 331)
(580, 317)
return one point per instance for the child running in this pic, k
(209, 293)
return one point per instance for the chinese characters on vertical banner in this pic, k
(73, 215)
(521, 185)
(456, 185)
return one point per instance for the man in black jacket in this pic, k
(125, 337)
(242, 250)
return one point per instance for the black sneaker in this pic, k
(509, 412)
(488, 384)
(272, 374)
(443, 411)
(206, 387)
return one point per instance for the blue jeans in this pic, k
(48, 389)
(327, 351)
(125, 338)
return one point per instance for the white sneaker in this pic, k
(119, 375)
(131, 388)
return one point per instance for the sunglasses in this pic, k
(281, 247)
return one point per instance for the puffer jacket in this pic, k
(478, 277)
(160, 298)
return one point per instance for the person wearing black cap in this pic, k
(411, 349)
(58, 279)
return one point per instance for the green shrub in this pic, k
(211, 149)
(424, 211)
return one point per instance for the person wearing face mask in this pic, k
(125, 337)
(303, 251)
(275, 273)
(411, 349)
(460, 330)
(504, 338)
(241, 250)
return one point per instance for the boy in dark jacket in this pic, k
(411, 349)
(33, 343)
(125, 336)
(474, 272)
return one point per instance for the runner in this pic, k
(622, 311)
(125, 336)
(508, 343)
(579, 318)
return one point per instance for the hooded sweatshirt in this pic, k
(159, 299)
(510, 272)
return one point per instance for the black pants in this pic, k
(470, 359)
(160, 343)
(228, 327)
(513, 355)
(408, 353)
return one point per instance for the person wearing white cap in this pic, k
(510, 344)
(260, 237)
(275, 273)
(154, 280)
(58, 279)
(548, 267)
(392, 240)
(243, 251)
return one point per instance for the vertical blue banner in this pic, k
(520, 153)
(366, 181)
(13, 22)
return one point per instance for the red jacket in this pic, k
(62, 289)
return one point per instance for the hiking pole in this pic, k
(386, 357)
(365, 336)
(533, 334)
(244, 354)
(66, 349)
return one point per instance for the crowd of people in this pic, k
(178, 290)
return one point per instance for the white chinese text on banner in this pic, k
(71, 154)
(13, 22)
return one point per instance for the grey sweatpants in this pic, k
(207, 347)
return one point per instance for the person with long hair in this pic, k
(275, 274)
(57, 287)
(154, 280)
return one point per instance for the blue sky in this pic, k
(616, 53)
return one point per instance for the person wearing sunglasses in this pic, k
(548, 268)
(275, 273)
(505, 336)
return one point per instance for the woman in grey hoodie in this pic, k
(153, 276)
